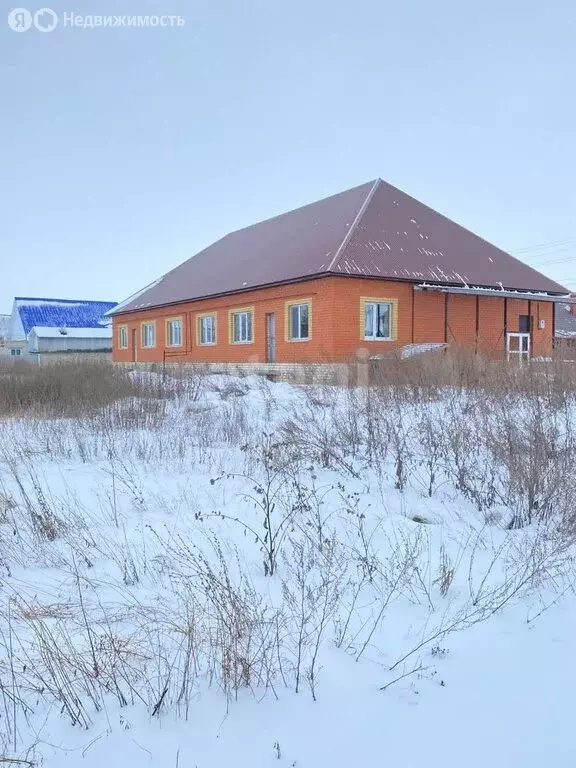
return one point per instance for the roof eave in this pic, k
(247, 289)
(318, 275)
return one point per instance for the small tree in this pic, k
(275, 509)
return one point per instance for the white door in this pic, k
(518, 347)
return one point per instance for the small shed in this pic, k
(45, 339)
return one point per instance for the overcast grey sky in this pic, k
(127, 150)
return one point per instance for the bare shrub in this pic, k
(44, 518)
(270, 498)
(243, 627)
(424, 376)
(317, 431)
(536, 447)
(312, 590)
(446, 573)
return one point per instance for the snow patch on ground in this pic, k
(142, 507)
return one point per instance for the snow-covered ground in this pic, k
(252, 574)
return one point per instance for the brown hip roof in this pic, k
(373, 230)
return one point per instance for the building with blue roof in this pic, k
(58, 325)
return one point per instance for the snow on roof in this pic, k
(49, 332)
(372, 230)
(58, 313)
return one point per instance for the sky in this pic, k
(127, 150)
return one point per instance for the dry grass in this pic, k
(37, 612)
(63, 389)
(465, 368)
(177, 611)
(82, 388)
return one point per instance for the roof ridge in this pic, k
(354, 225)
(63, 301)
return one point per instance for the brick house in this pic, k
(356, 275)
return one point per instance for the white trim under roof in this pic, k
(499, 292)
(119, 306)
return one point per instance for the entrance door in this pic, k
(271, 337)
(518, 347)
(134, 347)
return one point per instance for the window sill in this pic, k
(207, 343)
(297, 341)
(374, 338)
(239, 343)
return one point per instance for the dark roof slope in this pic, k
(373, 230)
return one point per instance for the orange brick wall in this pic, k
(265, 300)
(428, 317)
(422, 317)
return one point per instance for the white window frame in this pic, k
(373, 335)
(298, 306)
(123, 337)
(518, 347)
(245, 324)
(207, 330)
(146, 327)
(15, 352)
(171, 324)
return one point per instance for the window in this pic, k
(378, 320)
(524, 323)
(123, 336)
(149, 334)
(299, 321)
(15, 352)
(174, 332)
(207, 329)
(242, 326)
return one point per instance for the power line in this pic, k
(541, 246)
(543, 257)
(547, 262)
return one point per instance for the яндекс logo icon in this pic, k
(21, 20)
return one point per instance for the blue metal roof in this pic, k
(58, 313)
